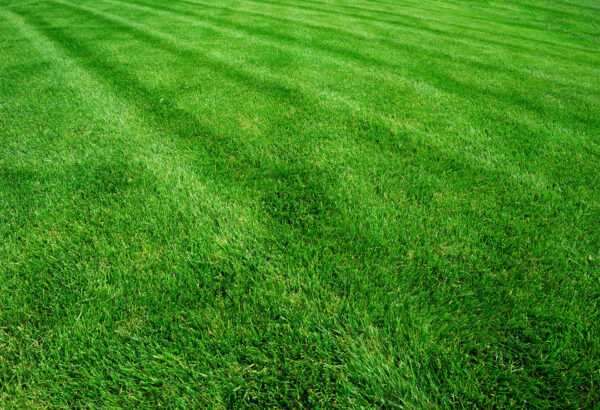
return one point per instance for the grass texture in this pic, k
(299, 203)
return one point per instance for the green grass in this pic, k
(299, 203)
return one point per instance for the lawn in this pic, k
(299, 203)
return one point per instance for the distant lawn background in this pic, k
(335, 203)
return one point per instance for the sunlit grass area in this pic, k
(286, 203)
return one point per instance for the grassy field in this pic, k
(291, 203)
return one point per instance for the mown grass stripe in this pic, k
(226, 26)
(292, 93)
(417, 23)
(450, 36)
(498, 20)
(284, 90)
(392, 43)
(376, 129)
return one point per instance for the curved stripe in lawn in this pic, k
(416, 23)
(373, 41)
(373, 136)
(419, 59)
(533, 49)
(186, 125)
(502, 22)
(370, 134)
(442, 80)
(378, 132)
(370, 131)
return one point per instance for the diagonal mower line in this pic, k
(357, 60)
(146, 142)
(345, 52)
(411, 21)
(278, 87)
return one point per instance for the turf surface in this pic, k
(299, 203)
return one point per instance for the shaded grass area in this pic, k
(285, 203)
